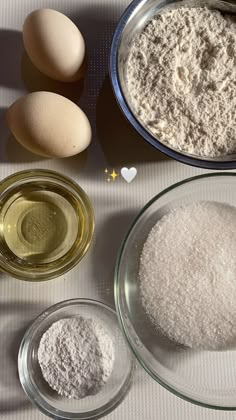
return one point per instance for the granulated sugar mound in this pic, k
(188, 275)
(181, 75)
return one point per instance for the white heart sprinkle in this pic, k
(128, 174)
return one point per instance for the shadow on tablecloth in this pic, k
(121, 144)
(108, 242)
(13, 397)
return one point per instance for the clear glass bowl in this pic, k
(207, 378)
(46, 399)
(46, 224)
(133, 20)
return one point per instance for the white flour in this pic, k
(181, 76)
(76, 356)
(188, 275)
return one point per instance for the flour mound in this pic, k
(76, 356)
(181, 77)
(188, 275)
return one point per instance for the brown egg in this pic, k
(50, 125)
(54, 44)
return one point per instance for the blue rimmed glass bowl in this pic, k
(134, 19)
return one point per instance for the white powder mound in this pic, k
(181, 77)
(76, 356)
(188, 275)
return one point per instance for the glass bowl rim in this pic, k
(119, 311)
(27, 174)
(179, 156)
(96, 413)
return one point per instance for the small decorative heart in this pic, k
(128, 174)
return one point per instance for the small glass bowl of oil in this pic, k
(46, 224)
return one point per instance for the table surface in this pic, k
(114, 145)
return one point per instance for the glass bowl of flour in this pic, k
(73, 361)
(175, 289)
(172, 70)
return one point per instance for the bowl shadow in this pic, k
(35, 81)
(120, 142)
(108, 241)
(11, 337)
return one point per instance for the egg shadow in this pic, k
(35, 81)
(11, 337)
(97, 24)
(77, 163)
(10, 150)
(11, 48)
(120, 143)
(108, 241)
(16, 153)
(4, 134)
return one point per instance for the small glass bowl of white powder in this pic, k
(73, 361)
(175, 289)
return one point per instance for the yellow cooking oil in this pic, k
(38, 226)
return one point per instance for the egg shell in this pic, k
(54, 44)
(50, 125)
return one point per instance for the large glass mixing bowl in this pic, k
(207, 378)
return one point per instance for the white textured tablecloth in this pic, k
(114, 145)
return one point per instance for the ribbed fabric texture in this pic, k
(114, 145)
